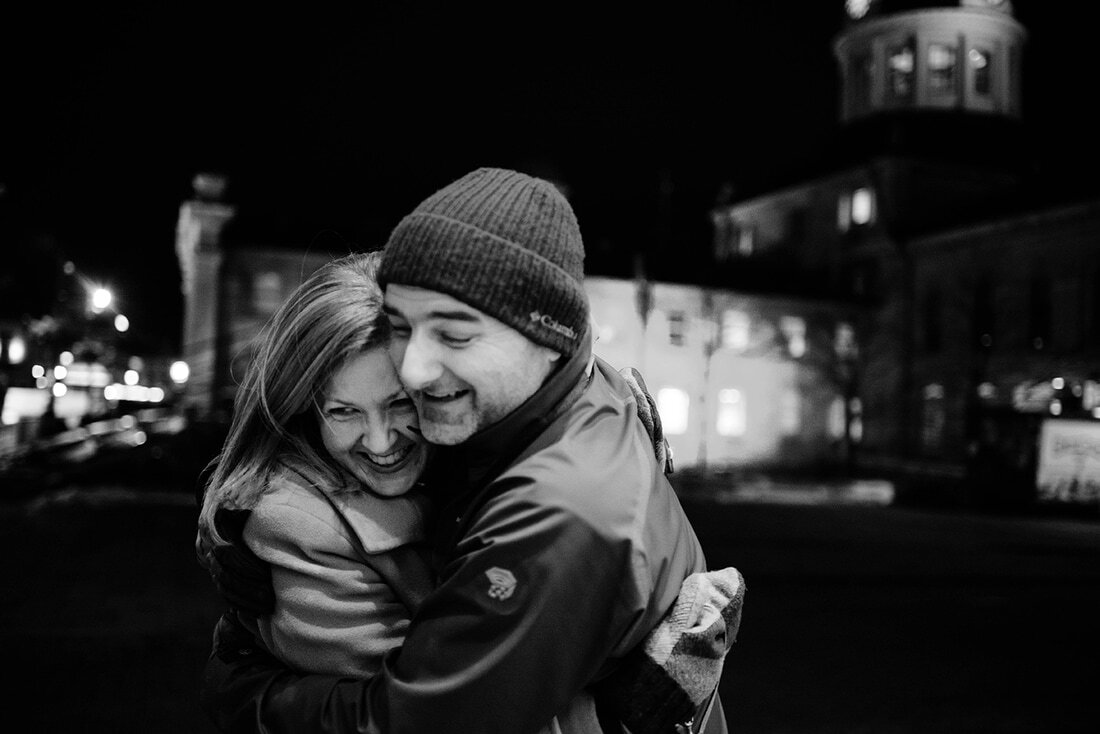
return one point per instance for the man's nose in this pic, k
(419, 366)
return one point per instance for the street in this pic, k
(857, 618)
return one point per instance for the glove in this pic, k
(666, 684)
(651, 419)
(242, 579)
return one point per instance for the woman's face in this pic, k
(369, 425)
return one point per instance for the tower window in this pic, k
(677, 328)
(673, 404)
(735, 330)
(941, 68)
(980, 63)
(899, 59)
(862, 206)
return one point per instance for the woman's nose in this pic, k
(419, 367)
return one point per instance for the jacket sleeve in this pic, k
(536, 599)
(334, 612)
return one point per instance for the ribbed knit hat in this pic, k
(503, 242)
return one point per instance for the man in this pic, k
(559, 542)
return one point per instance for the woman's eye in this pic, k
(403, 404)
(455, 340)
(341, 413)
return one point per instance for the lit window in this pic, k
(267, 292)
(845, 340)
(979, 62)
(862, 206)
(673, 405)
(744, 241)
(941, 68)
(735, 329)
(837, 418)
(794, 329)
(731, 413)
(899, 61)
(933, 417)
(790, 413)
(677, 328)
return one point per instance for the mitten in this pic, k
(651, 419)
(664, 684)
(242, 579)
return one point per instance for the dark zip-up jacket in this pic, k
(560, 544)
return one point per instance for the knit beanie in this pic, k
(504, 243)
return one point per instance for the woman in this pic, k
(325, 452)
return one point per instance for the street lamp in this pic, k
(121, 323)
(101, 299)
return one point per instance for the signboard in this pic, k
(1069, 461)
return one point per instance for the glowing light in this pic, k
(127, 421)
(130, 377)
(41, 383)
(1056, 407)
(121, 323)
(60, 371)
(156, 394)
(861, 206)
(1058, 383)
(65, 358)
(179, 372)
(101, 299)
(59, 389)
(38, 371)
(112, 392)
(672, 405)
(17, 350)
(987, 390)
(1096, 412)
(732, 420)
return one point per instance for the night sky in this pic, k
(330, 126)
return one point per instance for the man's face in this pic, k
(465, 370)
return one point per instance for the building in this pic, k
(980, 293)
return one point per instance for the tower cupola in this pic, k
(898, 55)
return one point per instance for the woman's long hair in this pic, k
(332, 316)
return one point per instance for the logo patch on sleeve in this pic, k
(502, 583)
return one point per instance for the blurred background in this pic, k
(853, 248)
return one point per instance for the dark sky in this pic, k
(331, 125)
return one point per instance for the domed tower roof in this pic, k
(900, 55)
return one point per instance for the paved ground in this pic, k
(858, 617)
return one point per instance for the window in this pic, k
(790, 413)
(1039, 312)
(731, 413)
(794, 329)
(735, 329)
(941, 68)
(980, 64)
(673, 406)
(931, 318)
(899, 62)
(267, 292)
(677, 328)
(862, 206)
(744, 240)
(933, 417)
(844, 341)
(837, 419)
(984, 314)
(862, 74)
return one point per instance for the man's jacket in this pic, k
(560, 545)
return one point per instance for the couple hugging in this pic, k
(437, 511)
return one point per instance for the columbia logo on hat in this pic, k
(549, 322)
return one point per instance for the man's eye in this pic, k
(455, 340)
(401, 331)
(403, 404)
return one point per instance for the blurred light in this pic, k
(136, 363)
(38, 371)
(69, 268)
(101, 299)
(672, 405)
(861, 206)
(179, 372)
(1096, 412)
(987, 390)
(156, 394)
(59, 389)
(1057, 383)
(41, 383)
(139, 438)
(130, 377)
(65, 358)
(59, 372)
(17, 350)
(127, 421)
(112, 392)
(121, 323)
(1056, 407)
